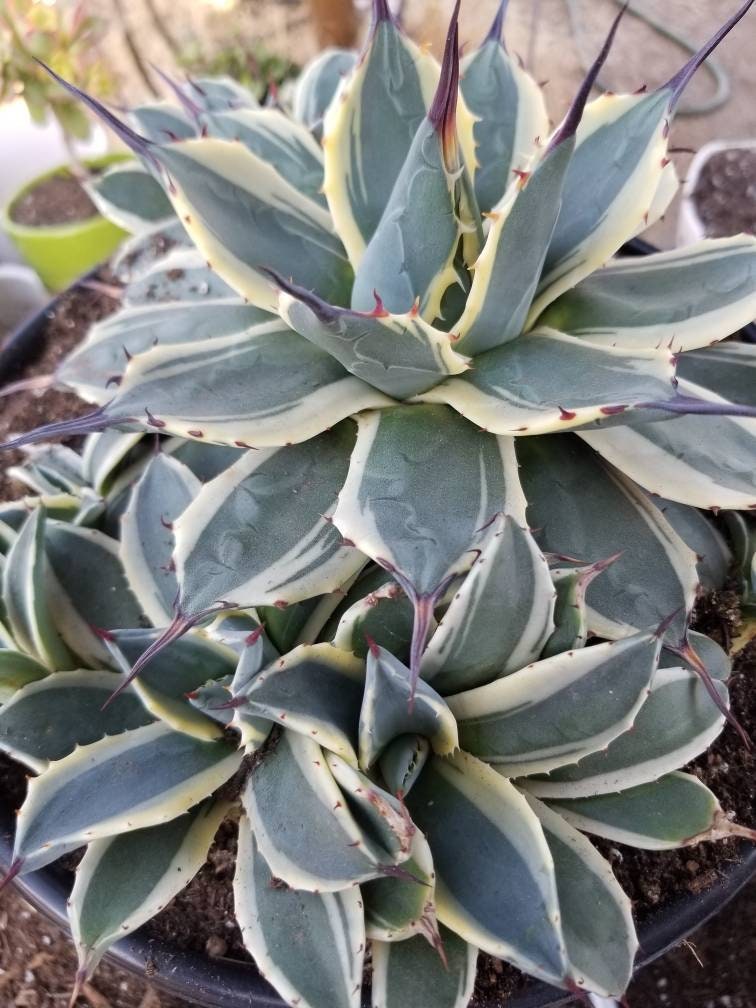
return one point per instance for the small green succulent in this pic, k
(378, 321)
(433, 821)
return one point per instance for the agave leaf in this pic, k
(312, 840)
(510, 115)
(401, 355)
(103, 455)
(714, 558)
(255, 654)
(422, 532)
(266, 386)
(87, 589)
(671, 459)
(682, 299)
(546, 381)
(166, 685)
(392, 82)
(317, 85)
(585, 509)
(27, 604)
(570, 610)
(617, 175)
(57, 465)
(48, 719)
(384, 616)
(499, 619)
(610, 185)
(507, 271)
(310, 946)
(221, 188)
(284, 626)
(495, 884)
(131, 197)
(314, 690)
(123, 881)
(136, 779)
(206, 461)
(162, 122)
(390, 709)
(412, 972)
(382, 818)
(278, 140)
(558, 710)
(180, 275)
(596, 915)
(164, 491)
(92, 368)
(248, 540)
(402, 761)
(728, 370)
(669, 185)
(405, 262)
(397, 908)
(676, 810)
(219, 93)
(138, 253)
(677, 722)
(16, 669)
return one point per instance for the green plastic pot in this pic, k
(62, 252)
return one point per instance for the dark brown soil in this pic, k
(74, 313)
(725, 194)
(37, 966)
(59, 199)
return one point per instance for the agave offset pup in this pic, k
(431, 828)
(362, 376)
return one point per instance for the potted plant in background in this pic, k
(320, 611)
(718, 195)
(51, 219)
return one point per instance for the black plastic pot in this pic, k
(224, 983)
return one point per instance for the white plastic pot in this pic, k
(690, 227)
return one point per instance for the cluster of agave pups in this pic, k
(387, 528)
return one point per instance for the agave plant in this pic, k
(480, 312)
(432, 822)
(376, 327)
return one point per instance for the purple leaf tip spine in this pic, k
(442, 113)
(571, 121)
(681, 79)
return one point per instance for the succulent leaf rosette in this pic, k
(407, 588)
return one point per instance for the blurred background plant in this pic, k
(255, 66)
(69, 39)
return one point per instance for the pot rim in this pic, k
(69, 230)
(227, 983)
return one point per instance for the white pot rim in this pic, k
(690, 227)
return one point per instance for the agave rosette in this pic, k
(377, 324)
(432, 823)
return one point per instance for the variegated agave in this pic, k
(433, 825)
(352, 410)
